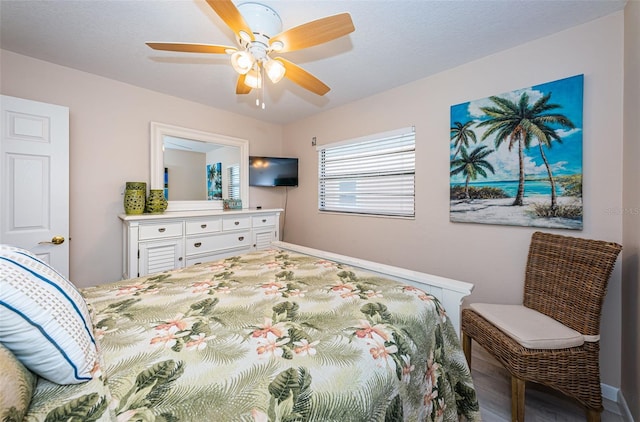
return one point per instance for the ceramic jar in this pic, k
(156, 202)
(135, 197)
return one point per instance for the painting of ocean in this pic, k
(510, 187)
(516, 158)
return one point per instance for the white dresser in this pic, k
(161, 242)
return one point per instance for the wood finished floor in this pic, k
(493, 386)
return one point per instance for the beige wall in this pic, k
(490, 256)
(109, 145)
(187, 175)
(631, 216)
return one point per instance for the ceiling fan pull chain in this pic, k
(258, 85)
(263, 83)
(258, 97)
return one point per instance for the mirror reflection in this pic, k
(196, 170)
(202, 168)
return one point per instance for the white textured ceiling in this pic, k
(395, 42)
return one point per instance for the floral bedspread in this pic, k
(267, 336)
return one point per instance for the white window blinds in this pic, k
(372, 175)
(234, 182)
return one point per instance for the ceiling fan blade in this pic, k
(190, 48)
(230, 14)
(314, 32)
(241, 88)
(303, 78)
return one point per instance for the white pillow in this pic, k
(45, 320)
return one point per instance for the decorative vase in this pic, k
(135, 197)
(156, 202)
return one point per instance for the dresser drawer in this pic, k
(203, 226)
(218, 242)
(160, 231)
(236, 223)
(263, 220)
(216, 256)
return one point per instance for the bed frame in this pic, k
(448, 291)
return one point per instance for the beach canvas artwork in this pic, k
(516, 158)
(214, 181)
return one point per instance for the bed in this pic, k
(284, 334)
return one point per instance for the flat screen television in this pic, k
(273, 171)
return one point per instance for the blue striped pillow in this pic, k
(45, 320)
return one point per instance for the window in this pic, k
(234, 182)
(371, 175)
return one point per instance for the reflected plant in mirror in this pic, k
(196, 169)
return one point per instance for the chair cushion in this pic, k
(45, 320)
(528, 327)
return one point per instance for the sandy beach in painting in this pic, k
(500, 211)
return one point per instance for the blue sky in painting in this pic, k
(565, 158)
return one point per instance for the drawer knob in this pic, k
(264, 220)
(236, 222)
(197, 244)
(241, 238)
(203, 226)
(162, 229)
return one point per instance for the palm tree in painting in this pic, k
(519, 124)
(545, 139)
(461, 134)
(470, 165)
(214, 178)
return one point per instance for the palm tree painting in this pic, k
(214, 181)
(470, 165)
(525, 164)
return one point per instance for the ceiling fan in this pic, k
(259, 34)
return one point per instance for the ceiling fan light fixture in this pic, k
(242, 62)
(253, 79)
(245, 36)
(277, 46)
(275, 70)
(258, 30)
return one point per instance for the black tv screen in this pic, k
(273, 171)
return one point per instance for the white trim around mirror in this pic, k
(156, 162)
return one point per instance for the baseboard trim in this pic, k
(624, 408)
(615, 395)
(609, 392)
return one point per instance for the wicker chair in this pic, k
(566, 279)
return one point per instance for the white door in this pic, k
(34, 179)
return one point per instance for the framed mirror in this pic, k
(198, 169)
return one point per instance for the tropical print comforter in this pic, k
(267, 336)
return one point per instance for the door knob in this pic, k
(55, 240)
